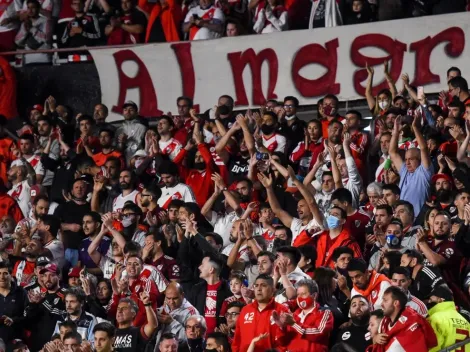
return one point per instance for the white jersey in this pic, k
(120, 200)
(297, 228)
(181, 191)
(213, 14)
(8, 10)
(57, 250)
(21, 192)
(294, 277)
(223, 225)
(171, 148)
(276, 143)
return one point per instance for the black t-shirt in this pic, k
(237, 167)
(355, 336)
(130, 340)
(72, 213)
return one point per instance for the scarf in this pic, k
(375, 280)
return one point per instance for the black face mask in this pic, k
(268, 129)
(441, 237)
(210, 350)
(244, 198)
(446, 134)
(277, 243)
(200, 165)
(430, 305)
(224, 110)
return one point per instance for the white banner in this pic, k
(307, 64)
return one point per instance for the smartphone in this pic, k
(262, 156)
(85, 272)
(195, 16)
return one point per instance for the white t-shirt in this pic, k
(21, 192)
(120, 200)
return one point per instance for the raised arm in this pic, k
(391, 83)
(92, 252)
(312, 204)
(222, 143)
(423, 146)
(393, 149)
(334, 168)
(118, 237)
(462, 152)
(267, 182)
(231, 200)
(369, 96)
(152, 322)
(247, 135)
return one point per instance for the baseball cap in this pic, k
(444, 176)
(17, 344)
(42, 261)
(75, 272)
(140, 153)
(51, 267)
(130, 103)
(38, 107)
(444, 292)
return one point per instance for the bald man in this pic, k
(173, 314)
(416, 170)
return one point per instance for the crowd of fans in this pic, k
(239, 232)
(31, 24)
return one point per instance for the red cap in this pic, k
(75, 272)
(38, 107)
(52, 268)
(444, 176)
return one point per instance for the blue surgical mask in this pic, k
(333, 222)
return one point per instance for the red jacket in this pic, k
(325, 247)
(411, 332)
(252, 323)
(312, 333)
(314, 148)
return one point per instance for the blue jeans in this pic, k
(71, 255)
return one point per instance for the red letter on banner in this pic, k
(239, 60)
(454, 48)
(396, 50)
(185, 62)
(316, 54)
(142, 81)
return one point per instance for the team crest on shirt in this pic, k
(137, 288)
(452, 209)
(159, 267)
(374, 294)
(367, 336)
(176, 269)
(84, 21)
(402, 319)
(449, 251)
(346, 335)
(357, 223)
(56, 300)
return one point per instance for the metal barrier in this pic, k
(456, 346)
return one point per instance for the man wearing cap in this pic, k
(26, 261)
(21, 176)
(45, 308)
(71, 215)
(131, 133)
(74, 277)
(448, 324)
(12, 304)
(37, 284)
(35, 113)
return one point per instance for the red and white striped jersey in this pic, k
(172, 148)
(276, 143)
(120, 200)
(417, 305)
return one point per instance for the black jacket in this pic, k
(197, 297)
(13, 306)
(63, 177)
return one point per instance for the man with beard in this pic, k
(105, 190)
(37, 283)
(21, 181)
(444, 254)
(168, 145)
(45, 308)
(100, 114)
(92, 226)
(173, 188)
(153, 253)
(172, 316)
(149, 204)
(129, 192)
(13, 303)
(405, 212)
(40, 207)
(62, 169)
(26, 145)
(48, 229)
(71, 216)
(462, 199)
(24, 270)
(384, 141)
(75, 300)
(402, 329)
(458, 89)
(266, 262)
(356, 334)
(443, 198)
(291, 126)
(130, 135)
(369, 284)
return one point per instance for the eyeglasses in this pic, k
(232, 315)
(145, 195)
(183, 106)
(288, 106)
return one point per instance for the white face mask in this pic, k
(383, 104)
(289, 118)
(138, 162)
